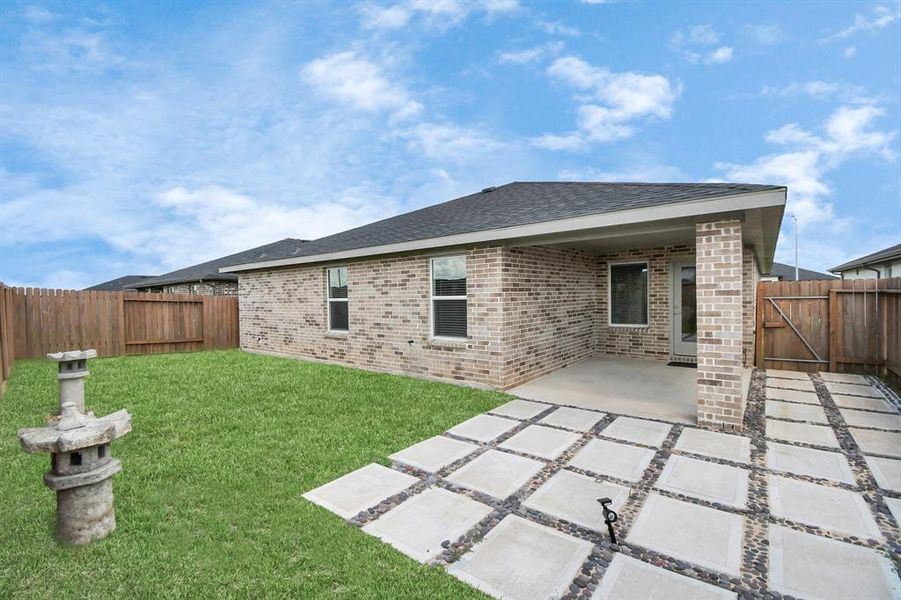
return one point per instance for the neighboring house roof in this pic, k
(118, 284)
(209, 271)
(787, 273)
(885, 255)
(514, 205)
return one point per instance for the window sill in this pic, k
(336, 335)
(626, 326)
(439, 342)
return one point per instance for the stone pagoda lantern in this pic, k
(81, 467)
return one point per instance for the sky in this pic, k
(142, 137)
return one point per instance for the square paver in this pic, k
(574, 497)
(887, 443)
(705, 480)
(804, 385)
(521, 409)
(628, 578)
(809, 566)
(781, 374)
(833, 509)
(417, 526)
(573, 418)
(797, 412)
(704, 536)
(543, 442)
(484, 428)
(860, 418)
(808, 461)
(496, 473)
(792, 396)
(877, 404)
(616, 460)
(886, 471)
(713, 443)
(894, 506)
(816, 435)
(347, 496)
(844, 378)
(434, 453)
(853, 390)
(639, 431)
(519, 559)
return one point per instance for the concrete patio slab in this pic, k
(781, 374)
(816, 435)
(417, 526)
(483, 428)
(797, 412)
(704, 536)
(877, 404)
(496, 473)
(792, 396)
(851, 389)
(844, 378)
(576, 419)
(543, 442)
(434, 453)
(628, 578)
(894, 506)
(807, 461)
(521, 409)
(713, 443)
(359, 490)
(616, 460)
(790, 384)
(639, 431)
(809, 566)
(705, 480)
(522, 560)
(887, 443)
(860, 418)
(836, 510)
(886, 471)
(574, 497)
(642, 388)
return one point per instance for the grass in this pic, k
(209, 501)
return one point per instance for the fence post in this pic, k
(122, 338)
(760, 356)
(834, 326)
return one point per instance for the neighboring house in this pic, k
(500, 287)
(878, 265)
(206, 279)
(118, 284)
(783, 272)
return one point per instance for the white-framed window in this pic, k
(338, 317)
(627, 297)
(448, 297)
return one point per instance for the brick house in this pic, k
(507, 285)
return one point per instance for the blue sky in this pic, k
(142, 137)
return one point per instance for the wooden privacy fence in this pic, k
(836, 325)
(35, 321)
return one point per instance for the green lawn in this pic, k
(209, 501)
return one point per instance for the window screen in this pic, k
(449, 297)
(337, 299)
(629, 294)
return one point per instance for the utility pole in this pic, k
(795, 219)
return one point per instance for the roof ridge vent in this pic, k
(489, 189)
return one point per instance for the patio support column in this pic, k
(719, 312)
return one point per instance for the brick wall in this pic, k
(720, 323)
(205, 288)
(750, 279)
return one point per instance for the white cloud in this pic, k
(765, 35)
(719, 56)
(530, 55)
(822, 90)
(645, 172)
(849, 52)
(37, 14)
(558, 28)
(879, 18)
(699, 35)
(610, 103)
(447, 142)
(694, 45)
(434, 13)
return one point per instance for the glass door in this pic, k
(685, 319)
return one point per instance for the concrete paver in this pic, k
(853, 389)
(574, 497)
(792, 396)
(860, 418)
(434, 453)
(886, 471)
(887, 443)
(808, 461)
(639, 431)
(781, 374)
(630, 579)
(797, 412)
(418, 525)
(521, 409)
(727, 446)
(840, 511)
(704, 536)
(804, 385)
(520, 559)
(894, 506)
(360, 490)
(544, 442)
(496, 473)
(576, 419)
(844, 378)
(705, 480)
(817, 435)
(616, 460)
(809, 566)
(877, 404)
(483, 428)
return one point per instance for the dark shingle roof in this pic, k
(522, 203)
(209, 271)
(787, 273)
(889, 253)
(118, 284)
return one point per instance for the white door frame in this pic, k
(679, 347)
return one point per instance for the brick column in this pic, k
(719, 293)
